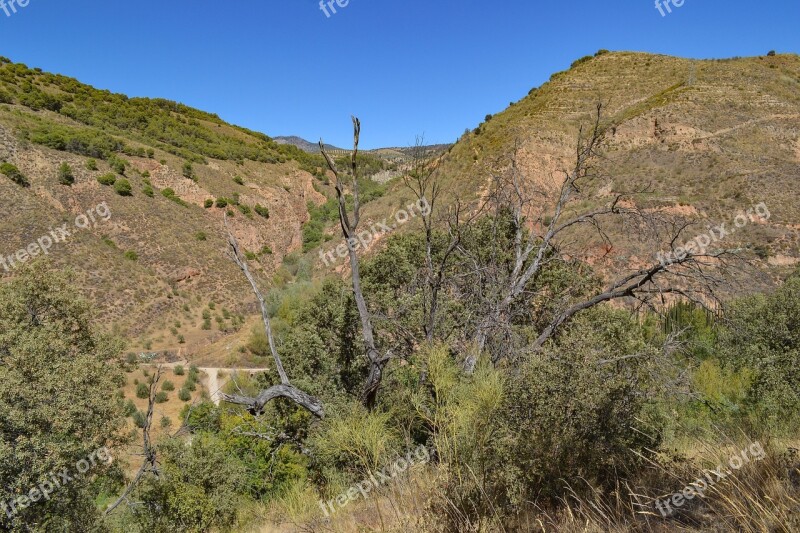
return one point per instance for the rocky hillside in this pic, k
(707, 138)
(158, 259)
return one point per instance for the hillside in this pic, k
(707, 138)
(176, 260)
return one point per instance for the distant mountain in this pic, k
(304, 145)
(395, 153)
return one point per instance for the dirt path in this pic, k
(212, 380)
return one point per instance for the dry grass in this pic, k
(763, 496)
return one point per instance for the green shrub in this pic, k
(142, 391)
(129, 408)
(222, 203)
(239, 180)
(131, 255)
(107, 179)
(91, 164)
(162, 397)
(13, 173)
(184, 395)
(580, 61)
(200, 236)
(65, 176)
(168, 386)
(170, 194)
(150, 153)
(261, 210)
(166, 422)
(188, 171)
(179, 370)
(118, 165)
(147, 190)
(209, 203)
(123, 187)
(140, 419)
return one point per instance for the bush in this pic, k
(209, 203)
(771, 53)
(184, 395)
(166, 422)
(261, 210)
(107, 179)
(147, 190)
(222, 202)
(238, 180)
(200, 236)
(131, 255)
(580, 61)
(14, 174)
(188, 171)
(140, 419)
(91, 164)
(170, 194)
(65, 176)
(142, 391)
(118, 165)
(162, 397)
(123, 187)
(179, 370)
(168, 386)
(129, 408)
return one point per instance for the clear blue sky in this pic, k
(405, 67)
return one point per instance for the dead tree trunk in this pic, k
(376, 361)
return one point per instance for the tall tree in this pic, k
(57, 406)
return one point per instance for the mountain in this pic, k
(705, 138)
(304, 145)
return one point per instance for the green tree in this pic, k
(51, 356)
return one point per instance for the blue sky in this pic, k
(405, 67)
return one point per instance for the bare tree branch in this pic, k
(285, 389)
